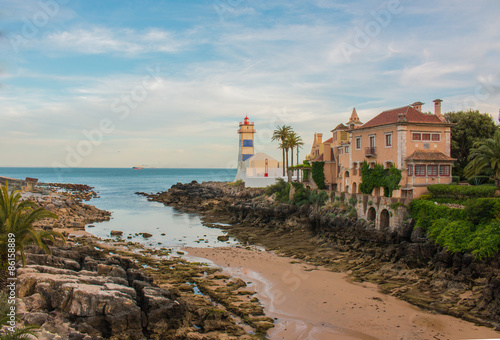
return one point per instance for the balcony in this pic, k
(370, 151)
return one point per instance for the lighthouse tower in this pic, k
(246, 149)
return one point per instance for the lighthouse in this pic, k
(246, 149)
(256, 170)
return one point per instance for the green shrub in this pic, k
(486, 240)
(455, 235)
(482, 210)
(274, 188)
(281, 189)
(478, 180)
(301, 195)
(353, 201)
(318, 174)
(455, 179)
(460, 191)
(426, 212)
(425, 197)
(318, 197)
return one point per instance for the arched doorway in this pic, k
(354, 188)
(384, 220)
(376, 191)
(371, 215)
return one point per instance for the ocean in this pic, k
(132, 213)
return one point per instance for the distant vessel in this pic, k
(137, 168)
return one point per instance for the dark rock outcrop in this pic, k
(404, 262)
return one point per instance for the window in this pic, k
(432, 170)
(346, 149)
(426, 136)
(444, 170)
(372, 141)
(410, 170)
(358, 143)
(420, 170)
(416, 136)
(388, 140)
(436, 137)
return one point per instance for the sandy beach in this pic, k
(313, 303)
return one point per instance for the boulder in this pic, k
(116, 233)
(111, 270)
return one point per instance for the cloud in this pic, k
(102, 40)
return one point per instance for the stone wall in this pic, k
(385, 213)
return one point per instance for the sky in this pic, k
(164, 83)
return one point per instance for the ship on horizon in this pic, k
(137, 167)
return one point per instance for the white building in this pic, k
(256, 170)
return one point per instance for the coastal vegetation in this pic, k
(17, 218)
(466, 219)
(485, 156)
(469, 128)
(318, 174)
(378, 176)
(301, 196)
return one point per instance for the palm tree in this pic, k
(281, 134)
(294, 141)
(485, 155)
(16, 222)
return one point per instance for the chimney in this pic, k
(437, 109)
(417, 106)
(320, 137)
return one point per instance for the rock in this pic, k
(116, 233)
(36, 302)
(36, 318)
(223, 238)
(146, 235)
(112, 270)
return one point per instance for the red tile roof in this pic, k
(318, 159)
(329, 140)
(428, 155)
(410, 114)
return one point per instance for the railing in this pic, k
(370, 151)
(242, 123)
(253, 131)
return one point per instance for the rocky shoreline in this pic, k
(94, 289)
(403, 263)
(89, 289)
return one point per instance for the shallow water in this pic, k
(132, 213)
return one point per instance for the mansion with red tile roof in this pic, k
(415, 142)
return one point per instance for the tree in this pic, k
(281, 134)
(471, 127)
(294, 141)
(485, 156)
(16, 222)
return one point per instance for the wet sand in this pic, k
(312, 303)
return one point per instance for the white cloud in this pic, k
(101, 40)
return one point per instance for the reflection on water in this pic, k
(168, 227)
(134, 214)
